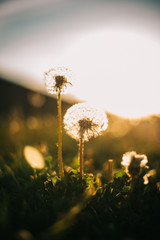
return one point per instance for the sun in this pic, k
(117, 69)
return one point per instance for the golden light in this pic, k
(117, 69)
(33, 157)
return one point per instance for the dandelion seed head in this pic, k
(133, 162)
(84, 121)
(57, 79)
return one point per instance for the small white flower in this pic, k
(133, 162)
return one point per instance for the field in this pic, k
(37, 204)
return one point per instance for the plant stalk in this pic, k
(81, 149)
(60, 161)
(110, 170)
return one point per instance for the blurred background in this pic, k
(113, 50)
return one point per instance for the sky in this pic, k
(112, 48)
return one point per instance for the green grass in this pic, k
(48, 208)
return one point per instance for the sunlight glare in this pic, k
(117, 69)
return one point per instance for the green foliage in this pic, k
(49, 208)
(120, 173)
(36, 204)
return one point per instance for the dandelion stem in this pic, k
(110, 170)
(81, 148)
(60, 161)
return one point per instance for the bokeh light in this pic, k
(33, 157)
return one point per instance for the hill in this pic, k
(28, 117)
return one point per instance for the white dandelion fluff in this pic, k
(133, 162)
(84, 121)
(57, 79)
(148, 175)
